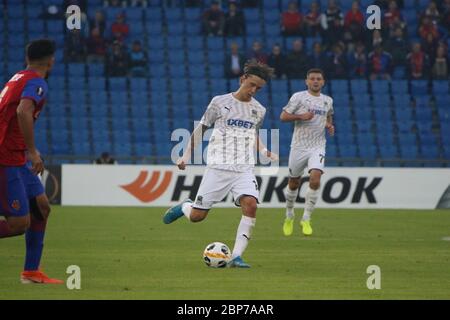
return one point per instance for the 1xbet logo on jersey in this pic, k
(240, 123)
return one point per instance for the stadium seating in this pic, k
(375, 120)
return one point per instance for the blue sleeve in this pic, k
(35, 89)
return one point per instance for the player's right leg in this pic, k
(214, 187)
(13, 203)
(297, 163)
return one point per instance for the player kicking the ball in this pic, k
(312, 113)
(236, 117)
(22, 198)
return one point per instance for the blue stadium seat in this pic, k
(367, 151)
(177, 71)
(216, 58)
(427, 139)
(339, 87)
(408, 151)
(399, 87)
(362, 113)
(361, 101)
(97, 84)
(175, 43)
(153, 14)
(402, 101)
(429, 152)
(175, 28)
(199, 86)
(403, 113)
(359, 86)
(176, 57)
(405, 126)
(348, 151)
(192, 14)
(138, 85)
(407, 138)
(180, 98)
(99, 110)
(440, 87)
(379, 87)
(388, 151)
(423, 114)
(156, 56)
(419, 87)
(194, 45)
(196, 72)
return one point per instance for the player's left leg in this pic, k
(315, 165)
(34, 237)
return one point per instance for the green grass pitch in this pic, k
(128, 253)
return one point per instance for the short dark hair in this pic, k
(253, 67)
(315, 70)
(40, 49)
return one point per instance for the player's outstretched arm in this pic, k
(287, 117)
(195, 139)
(329, 125)
(25, 112)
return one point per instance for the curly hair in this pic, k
(253, 67)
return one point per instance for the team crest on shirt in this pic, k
(16, 205)
(40, 91)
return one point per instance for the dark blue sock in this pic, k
(34, 239)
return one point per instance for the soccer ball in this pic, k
(217, 255)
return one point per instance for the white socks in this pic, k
(310, 203)
(243, 235)
(187, 208)
(291, 196)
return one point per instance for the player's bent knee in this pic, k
(249, 205)
(294, 183)
(19, 227)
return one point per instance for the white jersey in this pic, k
(309, 134)
(232, 145)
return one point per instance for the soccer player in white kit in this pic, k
(236, 117)
(312, 113)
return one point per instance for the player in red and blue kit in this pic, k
(23, 202)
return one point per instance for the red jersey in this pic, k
(26, 84)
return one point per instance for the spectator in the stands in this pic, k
(440, 65)
(80, 3)
(234, 21)
(428, 27)
(120, 28)
(117, 62)
(398, 47)
(257, 52)
(432, 12)
(96, 47)
(338, 63)
(105, 158)
(139, 3)
(358, 61)
(297, 61)
(292, 21)
(75, 46)
(332, 23)
(380, 64)
(429, 46)
(98, 22)
(396, 24)
(250, 3)
(318, 58)
(354, 23)
(138, 60)
(213, 20)
(376, 40)
(417, 62)
(312, 20)
(445, 21)
(390, 15)
(277, 60)
(234, 62)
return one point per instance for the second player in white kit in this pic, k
(312, 113)
(236, 118)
